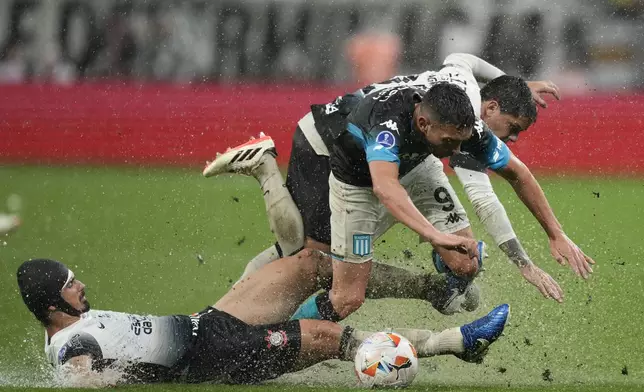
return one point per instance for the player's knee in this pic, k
(312, 263)
(310, 256)
(307, 259)
(465, 266)
(347, 303)
(314, 244)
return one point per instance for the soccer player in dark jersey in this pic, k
(505, 103)
(244, 338)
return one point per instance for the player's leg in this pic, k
(354, 213)
(388, 281)
(385, 281)
(281, 348)
(256, 158)
(272, 294)
(431, 191)
(307, 183)
(322, 340)
(468, 342)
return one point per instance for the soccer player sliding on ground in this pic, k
(244, 338)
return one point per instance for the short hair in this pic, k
(449, 104)
(513, 95)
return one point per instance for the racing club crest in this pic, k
(361, 244)
(276, 339)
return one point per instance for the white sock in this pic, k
(283, 216)
(427, 343)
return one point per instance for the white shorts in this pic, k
(358, 218)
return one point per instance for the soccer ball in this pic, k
(386, 359)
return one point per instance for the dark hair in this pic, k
(449, 104)
(513, 95)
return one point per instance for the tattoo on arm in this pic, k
(516, 253)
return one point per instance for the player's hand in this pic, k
(543, 87)
(456, 242)
(548, 287)
(564, 250)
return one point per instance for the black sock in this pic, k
(325, 308)
(345, 342)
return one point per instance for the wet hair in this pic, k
(448, 104)
(513, 96)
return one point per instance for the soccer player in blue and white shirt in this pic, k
(504, 103)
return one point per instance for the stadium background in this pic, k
(108, 109)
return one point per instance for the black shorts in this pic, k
(228, 350)
(307, 180)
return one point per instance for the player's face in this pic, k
(74, 294)
(446, 139)
(505, 126)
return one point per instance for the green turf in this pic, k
(133, 236)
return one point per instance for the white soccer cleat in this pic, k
(242, 159)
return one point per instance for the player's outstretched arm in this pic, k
(479, 68)
(531, 194)
(539, 87)
(484, 72)
(77, 373)
(540, 279)
(394, 197)
(492, 214)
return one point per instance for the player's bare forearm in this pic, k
(529, 191)
(546, 285)
(515, 252)
(78, 373)
(531, 194)
(394, 197)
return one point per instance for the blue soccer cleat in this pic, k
(480, 334)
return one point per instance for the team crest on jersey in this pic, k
(386, 139)
(276, 338)
(361, 244)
